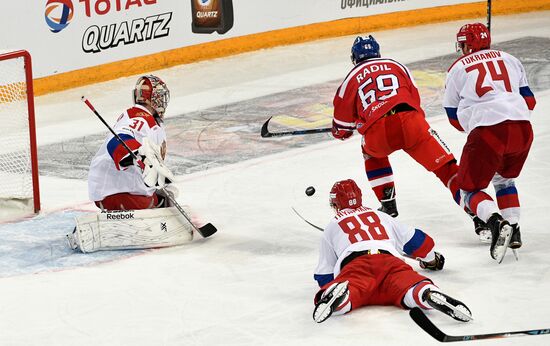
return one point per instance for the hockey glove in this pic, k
(155, 173)
(341, 132)
(436, 264)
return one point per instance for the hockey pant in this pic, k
(410, 132)
(382, 279)
(126, 201)
(494, 154)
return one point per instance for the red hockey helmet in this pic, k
(345, 194)
(152, 91)
(475, 36)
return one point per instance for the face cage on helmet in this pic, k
(160, 95)
(160, 98)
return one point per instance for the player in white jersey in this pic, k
(361, 263)
(115, 180)
(488, 97)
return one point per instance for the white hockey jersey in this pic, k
(362, 229)
(106, 176)
(486, 88)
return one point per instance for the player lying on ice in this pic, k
(130, 192)
(360, 262)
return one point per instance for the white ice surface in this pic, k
(252, 284)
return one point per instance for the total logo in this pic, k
(58, 14)
(205, 2)
(100, 37)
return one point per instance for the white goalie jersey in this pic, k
(111, 170)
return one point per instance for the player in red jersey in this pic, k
(115, 181)
(379, 98)
(360, 262)
(488, 97)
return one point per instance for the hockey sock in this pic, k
(380, 175)
(508, 202)
(480, 203)
(447, 174)
(413, 297)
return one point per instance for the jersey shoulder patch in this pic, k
(136, 112)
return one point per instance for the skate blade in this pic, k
(500, 250)
(461, 315)
(516, 254)
(320, 314)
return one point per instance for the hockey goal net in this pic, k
(18, 161)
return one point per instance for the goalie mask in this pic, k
(345, 194)
(151, 91)
(472, 38)
(364, 48)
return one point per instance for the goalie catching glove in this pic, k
(435, 264)
(155, 173)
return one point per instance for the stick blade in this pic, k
(207, 230)
(423, 322)
(265, 132)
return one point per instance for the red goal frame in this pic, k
(32, 127)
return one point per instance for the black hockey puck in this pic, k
(310, 191)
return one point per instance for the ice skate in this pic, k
(482, 230)
(331, 300)
(480, 227)
(501, 232)
(389, 204)
(447, 305)
(515, 240)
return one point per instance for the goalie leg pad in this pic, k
(122, 230)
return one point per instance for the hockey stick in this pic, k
(309, 223)
(489, 15)
(265, 132)
(206, 230)
(424, 322)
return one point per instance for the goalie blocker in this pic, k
(134, 229)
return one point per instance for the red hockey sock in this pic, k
(447, 174)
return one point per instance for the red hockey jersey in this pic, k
(371, 90)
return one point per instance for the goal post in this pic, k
(19, 187)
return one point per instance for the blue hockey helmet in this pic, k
(364, 48)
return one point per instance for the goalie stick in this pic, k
(424, 322)
(206, 230)
(265, 132)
